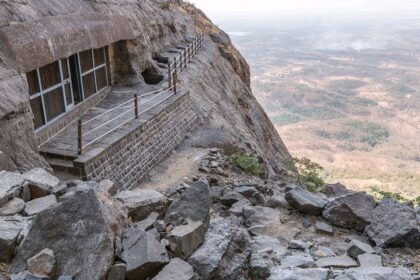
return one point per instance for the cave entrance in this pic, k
(152, 76)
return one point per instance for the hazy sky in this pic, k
(253, 7)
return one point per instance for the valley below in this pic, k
(344, 93)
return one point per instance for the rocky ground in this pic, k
(217, 224)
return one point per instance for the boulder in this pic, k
(10, 186)
(267, 251)
(338, 262)
(238, 207)
(251, 193)
(140, 203)
(302, 260)
(78, 231)
(278, 201)
(147, 223)
(375, 273)
(14, 206)
(117, 272)
(9, 233)
(357, 247)
(369, 260)
(38, 205)
(108, 186)
(42, 264)
(260, 216)
(177, 269)
(305, 201)
(298, 245)
(143, 254)
(336, 189)
(279, 273)
(231, 197)
(351, 211)
(194, 204)
(40, 182)
(394, 225)
(324, 228)
(224, 252)
(185, 239)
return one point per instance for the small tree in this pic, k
(307, 171)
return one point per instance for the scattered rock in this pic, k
(298, 244)
(147, 223)
(10, 186)
(140, 203)
(323, 252)
(394, 225)
(9, 233)
(357, 247)
(193, 204)
(38, 205)
(42, 264)
(108, 186)
(67, 277)
(305, 201)
(302, 260)
(117, 272)
(238, 207)
(351, 211)
(222, 253)
(369, 260)
(336, 189)
(74, 229)
(339, 262)
(185, 239)
(261, 217)
(177, 269)
(278, 201)
(376, 273)
(142, 253)
(14, 206)
(279, 273)
(324, 228)
(40, 182)
(231, 197)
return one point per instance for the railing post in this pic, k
(136, 106)
(79, 137)
(175, 75)
(175, 82)
(169, 74)
(185, 59)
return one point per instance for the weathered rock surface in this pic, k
(302, 260)
(369, 260)
(10, 186)
(38, 205)
(193, 204)
(394, 225)
(376, 273)
(262, 217)
(184, 239)
(9, 233)
(351, 211)
(14, 206)
(177, 269)
(322, 227)
(336, 189)
(231, 197)
(78, 232)
(42, 264)
(221, 255)
(118, 272)
(279, 273)
(40, 182)
(142, 253)
(341, 262)
(357, 247)
(305, 201)
(141, 203)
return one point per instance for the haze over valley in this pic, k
(342, 91)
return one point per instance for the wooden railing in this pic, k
(175, 66)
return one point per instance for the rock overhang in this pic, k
(33, 44)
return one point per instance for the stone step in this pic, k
(62, 165)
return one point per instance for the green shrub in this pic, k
(249, 164)
(308, 172)
(380, 195)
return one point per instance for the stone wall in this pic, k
(130, 158)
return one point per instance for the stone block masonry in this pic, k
(128, 158)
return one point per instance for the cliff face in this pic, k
(219, 78)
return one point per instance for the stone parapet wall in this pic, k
(127, 160)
